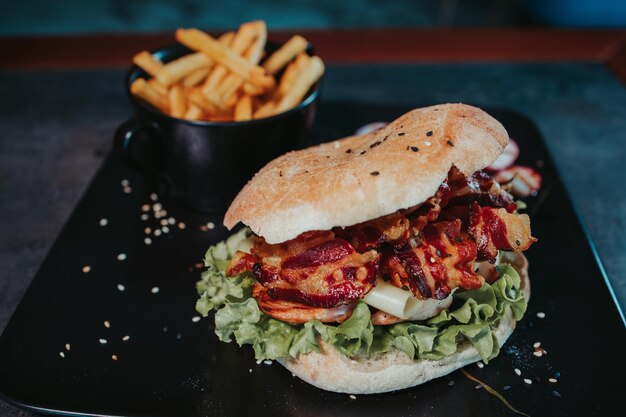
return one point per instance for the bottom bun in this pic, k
(332, 371)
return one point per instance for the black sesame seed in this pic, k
(401, 134)
(450, 143)
(375, 144)
(363, 152)
(349, 151)
(517, 242)
(385, 138)
(374, 173)
(280, 173)
(414, 148)
(429, 133)
(408, 147)
(405, 288)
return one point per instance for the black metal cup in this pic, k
(200, 164)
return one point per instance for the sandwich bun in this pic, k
(359, 178)
(330, 370)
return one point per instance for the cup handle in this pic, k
(133, 152)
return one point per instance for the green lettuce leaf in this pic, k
(471, 318)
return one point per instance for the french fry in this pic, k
(195, 96)
(237, 44)
(283, 55)
(147, 62)
(200, 41)
(193, 112)
(253, 54)
(142, 89)
(174, 71)
(222, 80)
(265, 110)
(157, 87)
(290, 74)
(176, 99)
(310, 73)
(252, 90)
(243, 109)
(196, 77)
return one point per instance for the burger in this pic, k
(375, 262)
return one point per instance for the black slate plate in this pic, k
(173, 366)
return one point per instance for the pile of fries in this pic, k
(227, 79)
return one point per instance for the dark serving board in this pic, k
(174, 366)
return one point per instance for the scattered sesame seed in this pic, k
(163, 222)
(538, 353)
(157, 232)
(541, 315)
(127, 190)
(198, 265)
(401, 134)
(414, 148)
(61, 354)
(518, 372)
(267, 362)
(556, 394)
(536, 344)
(107, 324)
(67, 347)
(374, 173)
(157, 207)
(352, 396)
(102, 341)
(427, 143)
(103, 222)
(179, 336)
(250, 370)
(147, 241)
(121, 287)
(147, 230)
(195, 319)
(154, 290)
(553, 380)
(181, 225)
(114, 357)
(145, 207)
(154, 197)
(452, 144)
(258, 362)
(506, 387)
(165, 229)
(203, 228)
(336, 144)
(125, 183)
(432, 260)
(126, 338)
(480, 365)
(450, 383)
(144, 217)
(528, 381)
(429, 133)
(210, 225)
(478, 386)
(121, 257)
(171, 221)
(362, 153)
(86, 269)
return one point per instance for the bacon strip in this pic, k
(429, 249)
(441, 263)
(496, 229)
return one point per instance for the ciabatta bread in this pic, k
(364, 177)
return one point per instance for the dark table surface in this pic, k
(56, 129)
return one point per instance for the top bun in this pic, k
(359, 178)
